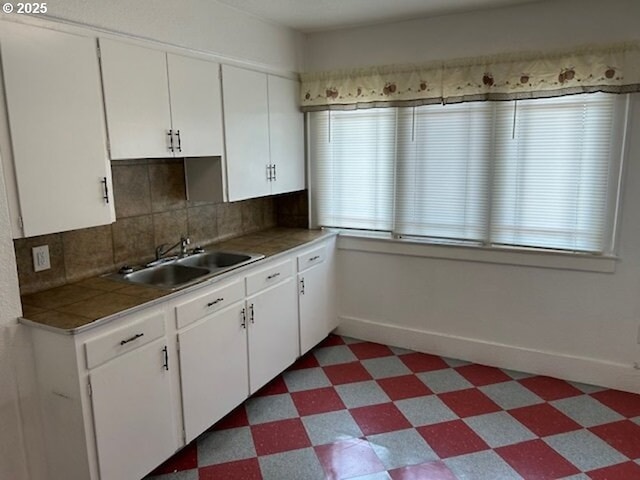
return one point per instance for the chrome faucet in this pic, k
(183, 243)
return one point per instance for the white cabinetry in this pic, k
(286, 133)
(264, 134)
(56, 118)
(111, 395)
(108, 398)
(316, 287)
(133, 412)
(273, 332)
(214, 368)
(160, 105)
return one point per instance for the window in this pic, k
(530, 173)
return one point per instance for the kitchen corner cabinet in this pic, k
(56, 120)
(316, 287)
(159, 104)
(264, 134)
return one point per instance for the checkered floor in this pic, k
(359, 410)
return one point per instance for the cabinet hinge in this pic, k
(98, 49)
(184, 436)
(89, 389)
(21, 223)
(178, 344)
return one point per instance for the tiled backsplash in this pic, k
(151, 209)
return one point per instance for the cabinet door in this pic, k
(54, 102)
(315, 306)
(136, 96)
(196, 106)
(132, 413)
(213, 368)
(286, 130)
(246, 126)
(273, 332)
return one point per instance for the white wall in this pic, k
(577, 325)
(196, 24)
(546, 25)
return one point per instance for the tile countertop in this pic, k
(78, 306)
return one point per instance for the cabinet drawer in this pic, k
(268, 276)
(209, 302)
(125, 339)
(311, 258)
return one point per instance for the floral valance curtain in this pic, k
(613, 69)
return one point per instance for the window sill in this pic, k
(377, 243)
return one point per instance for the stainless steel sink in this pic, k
(176, 273)
(215, 260)
(166, 276)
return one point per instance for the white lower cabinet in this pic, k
(273, 332)
(133, 412)
(316, 302)
(120, 398)
(214, 368)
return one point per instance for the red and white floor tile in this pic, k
(358, 410)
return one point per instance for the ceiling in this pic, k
(318, 15)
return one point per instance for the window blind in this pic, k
(352, 163)
(443, 169)
(537, 173)
(551, 172)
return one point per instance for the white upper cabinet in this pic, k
(246, 120)
(196, 106)
(160, 105)
(286, 134)
(136, 99)
(56, 118)
(263, 132)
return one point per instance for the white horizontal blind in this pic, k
(534, 173)
(551, 172)
(352, 164)
(444, 153)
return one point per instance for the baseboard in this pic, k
(579, 369)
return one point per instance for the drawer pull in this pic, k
(314, 258)
(252, 314)
(217, 300)
(135, 337)
(273, 275)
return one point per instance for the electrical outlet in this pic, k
(41, 260)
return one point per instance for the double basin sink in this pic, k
(173, 273)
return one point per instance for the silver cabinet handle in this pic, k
(171, 149)
(252, 314)
(269, 172)
(273, 275)
(243, 315)
(274, 172)
(135, 337)
(106, 189)
(216, 301)
(314, 258)
(302, 286)
(179, 147)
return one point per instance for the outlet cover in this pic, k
(41, 260)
